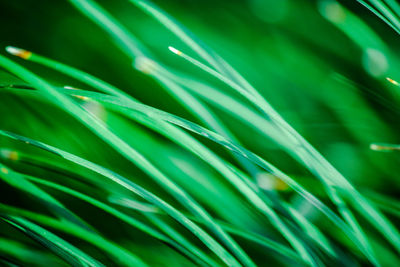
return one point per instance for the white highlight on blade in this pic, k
(14, 50)
(392, 81)
(174, 50)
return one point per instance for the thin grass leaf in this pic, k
(17, 180)
(277, 247)
(171, 211)
(57, 245)
(253, 197)
(121, 255)
(210, 158)
(129, 220)
(124, 149)
(26, 254)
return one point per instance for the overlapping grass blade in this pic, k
(309, 157)
(124, 149)
(170, 210)
(26, 254)
(189, 251)
(121, 255)
(58, 246)
(17, 180)
(190, 143)
(186, 141)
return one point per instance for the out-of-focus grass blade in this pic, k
(25, 254)
(175, 235)
(157, 114)
(277, 247)
(121, 255)
(127, 219)
(135, 49)
(309, 157)
(183, 34)
(59, 246)
(214, 160)
(17, 180)
(313, 160)
(104, 20)
(190, 143)
(153, 199)
(131, 154)
(312, 231)
(174, 213)
(98, 127)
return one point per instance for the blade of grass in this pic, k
(250, 236)
(152, 112)
(57, 245)
(129, 220)
(133, 48)
(97, 127)
(121, 255)
(206, 155)
(134, 188)
(189, 143)
(17, 180)
(26, 254)
(321, 168)
(189, 126)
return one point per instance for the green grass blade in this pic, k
(97, 127)
(125, 218)
(277, 247)
(25, 254)
(121, 255)
(177, 215)
(103, 19)
(59, 246)
(17, 180)
(189, 143)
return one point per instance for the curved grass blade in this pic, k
(131, 221)
(153, 199)
(25, 254)
(121, 255)
(175, 235)
(131, 46)
(103, 19)
(183, 34)
(57, 245)
(210, 158)
(98, 127)
(197, 148)
(136, 189)
(379, 15)
(317, 164)
(142, 108)
(152, 112)
(277, 247)
(17, 180)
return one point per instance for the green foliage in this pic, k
(179, 159)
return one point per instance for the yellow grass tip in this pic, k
(9, 154)
(268, 181)
(392, 81)
(383, 147)
(81, 97)
(145, 65)
(18, 52)
(4, 170)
